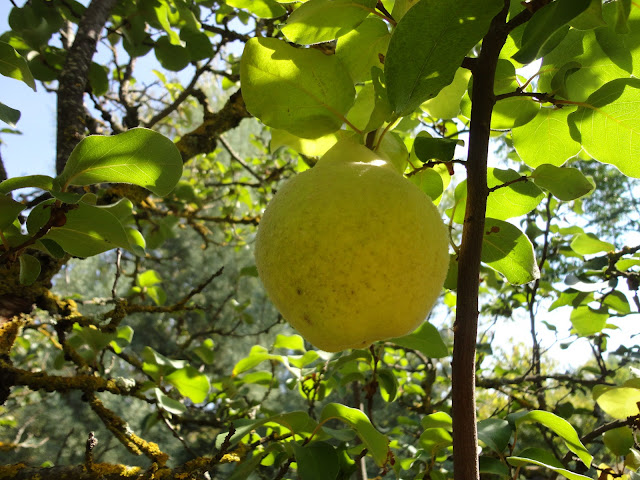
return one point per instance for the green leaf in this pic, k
(364, 47)
(198, 44)
(433, 440)
(587, 321)
(506, 249)
(513, 200)
(13, 65)
(620, 402)
(29, 269)
(169, 404)
(428, 46)
(544, 23)
(296, 422)
(619, 441)
(609, 125)
(190, 383)
(546, 139)
(590, 18)
(88, 231)
(618, 302)
(543, 458)
(42, 182)
(437, 420)
(388, 384)
(494, 466)
(427, 148)
(429, 181)
(205, 351)
(172, 57)
(124, 336)
(495, 433)
(302, 91)
(319, 21)
(9, 115)
(98, 79)
(559, 426)
(588, 244)
(376, 443)
(565, 183)
(260, 8)
(251, 462)
(425, 339)
(148, 278)
(139, 156)
(316, 461)
(509, 112)
(600, 55)
(9, 210)
(447, 103)
(157, 365)
(257, 355)
(289, 342)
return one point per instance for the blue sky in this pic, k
(33, 152)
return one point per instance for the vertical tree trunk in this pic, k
(73, 79)
(465, 441)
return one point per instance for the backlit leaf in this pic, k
(588, 244)
(544, 23)
(363, 48)
(190, 383)
(546, 138)
(302, 91)
(139, 156)
(620, 402)
(587, 321)
(425, 339)
(260, 8)
(376, 443)
(609, 125)
(506, 249)
(13, 65)
(428, 46)
(319, 21)
(565, 183)
(543, 458)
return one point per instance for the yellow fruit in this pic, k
(351, 252)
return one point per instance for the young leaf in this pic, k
(544, 23)
(316, 461)
(425, 339)
(559, 426)
(543, 458)
(546, 138)
(428, 46)
(29, 269)
(319, 21)
(609, 125)
(507, 250)
(302, 91)
(190, 383)
(13, 65)
(42, 182)
(139, 156)
(565, 183)
(377, 443)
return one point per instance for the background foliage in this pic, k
(130, 309)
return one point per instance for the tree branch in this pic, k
(465, 441)
(73, 79)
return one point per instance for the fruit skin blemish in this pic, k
(351, 252)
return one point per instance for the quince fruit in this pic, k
(351, 252)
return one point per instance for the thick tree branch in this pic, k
(465, 458)
(204, 138)
(73, 79)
